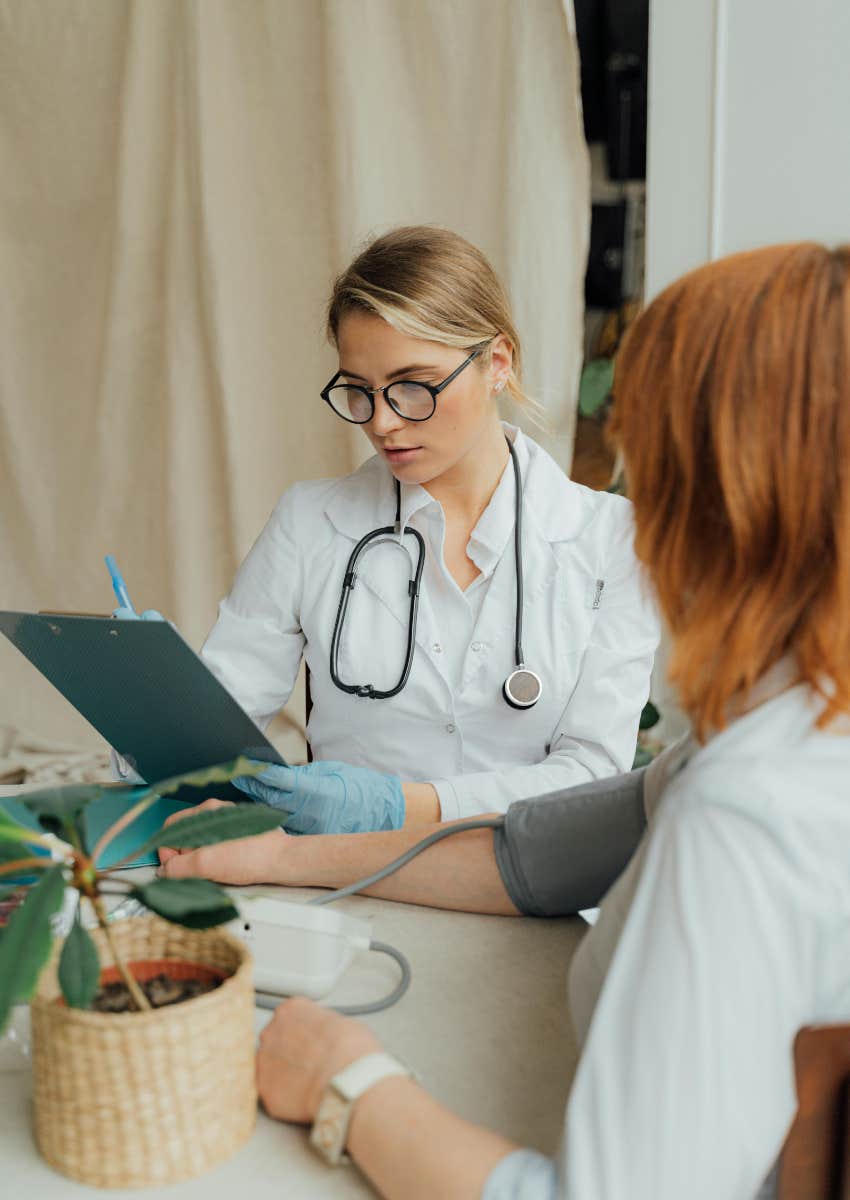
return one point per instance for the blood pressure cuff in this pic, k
(561, 852)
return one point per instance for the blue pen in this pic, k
(118, 584)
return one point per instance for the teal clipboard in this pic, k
(145, 691)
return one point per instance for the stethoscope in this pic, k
(521, 689)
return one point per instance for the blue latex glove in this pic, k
(130, 614)
(329, 797)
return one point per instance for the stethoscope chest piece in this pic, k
(522, 688)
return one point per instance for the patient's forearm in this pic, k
(394, 1131)
(554, 856)
(459, 872)
(421, 804)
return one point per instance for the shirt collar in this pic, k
(496, 524)
(779, 710)
(414, 499)
(553, 506)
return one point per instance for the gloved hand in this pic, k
(130, 614)
(329, 797)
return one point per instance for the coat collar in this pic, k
(554, 510)
(554, 507)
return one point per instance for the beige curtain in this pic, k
(179, 181)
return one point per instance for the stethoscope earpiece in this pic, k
(522, 688)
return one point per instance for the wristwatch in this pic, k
(330, 1128)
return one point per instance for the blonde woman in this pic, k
(490, 640)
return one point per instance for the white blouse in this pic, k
(727, 932)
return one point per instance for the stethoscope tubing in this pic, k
(413, 588)
(518, 655)
(367, 690)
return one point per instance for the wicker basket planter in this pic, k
(142, 1099)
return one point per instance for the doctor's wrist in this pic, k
(421, 804)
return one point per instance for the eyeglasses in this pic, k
(412, 400)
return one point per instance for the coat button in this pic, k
(450, 729)
(476, 646)
(437, 648)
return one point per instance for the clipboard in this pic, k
(144, 690)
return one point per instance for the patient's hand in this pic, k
(302, 1047)
(239, 861)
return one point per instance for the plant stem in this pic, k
(137, 995)
(48, 840)
(25, 864)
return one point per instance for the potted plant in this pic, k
(164, 1090)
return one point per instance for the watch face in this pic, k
(330, 1129)
(523, 688)
(331, 1126)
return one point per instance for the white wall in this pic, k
(748, 140)
(749, 128)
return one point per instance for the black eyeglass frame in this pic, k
(370, 393)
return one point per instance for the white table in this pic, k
(484, 1023)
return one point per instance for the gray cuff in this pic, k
(560, 853)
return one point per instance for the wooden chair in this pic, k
(815, 1160)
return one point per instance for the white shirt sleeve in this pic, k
(596, 735)
(255, 647)
(523, 1175)
(685, 1085)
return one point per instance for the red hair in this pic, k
(732, 409)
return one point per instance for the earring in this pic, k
(500, 383)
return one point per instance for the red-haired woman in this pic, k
(730, 927)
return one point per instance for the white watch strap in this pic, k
(330, 1128)
(354, 1079)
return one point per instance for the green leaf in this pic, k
(79, 968)
(650, 716)
(195, 903)
(25, 942)
(643, 757)
(14, 836)
(220, 773)
(18, 825)
(58, 808)
(10, 827)
(220, 825)
(11, 850)
(597, 379)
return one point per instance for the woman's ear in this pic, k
(501, 361)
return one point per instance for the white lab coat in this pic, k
(727, 932)
(592, 645)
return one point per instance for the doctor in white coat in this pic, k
(426, 343)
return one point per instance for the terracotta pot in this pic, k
(143, 1099)
(174, 969)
